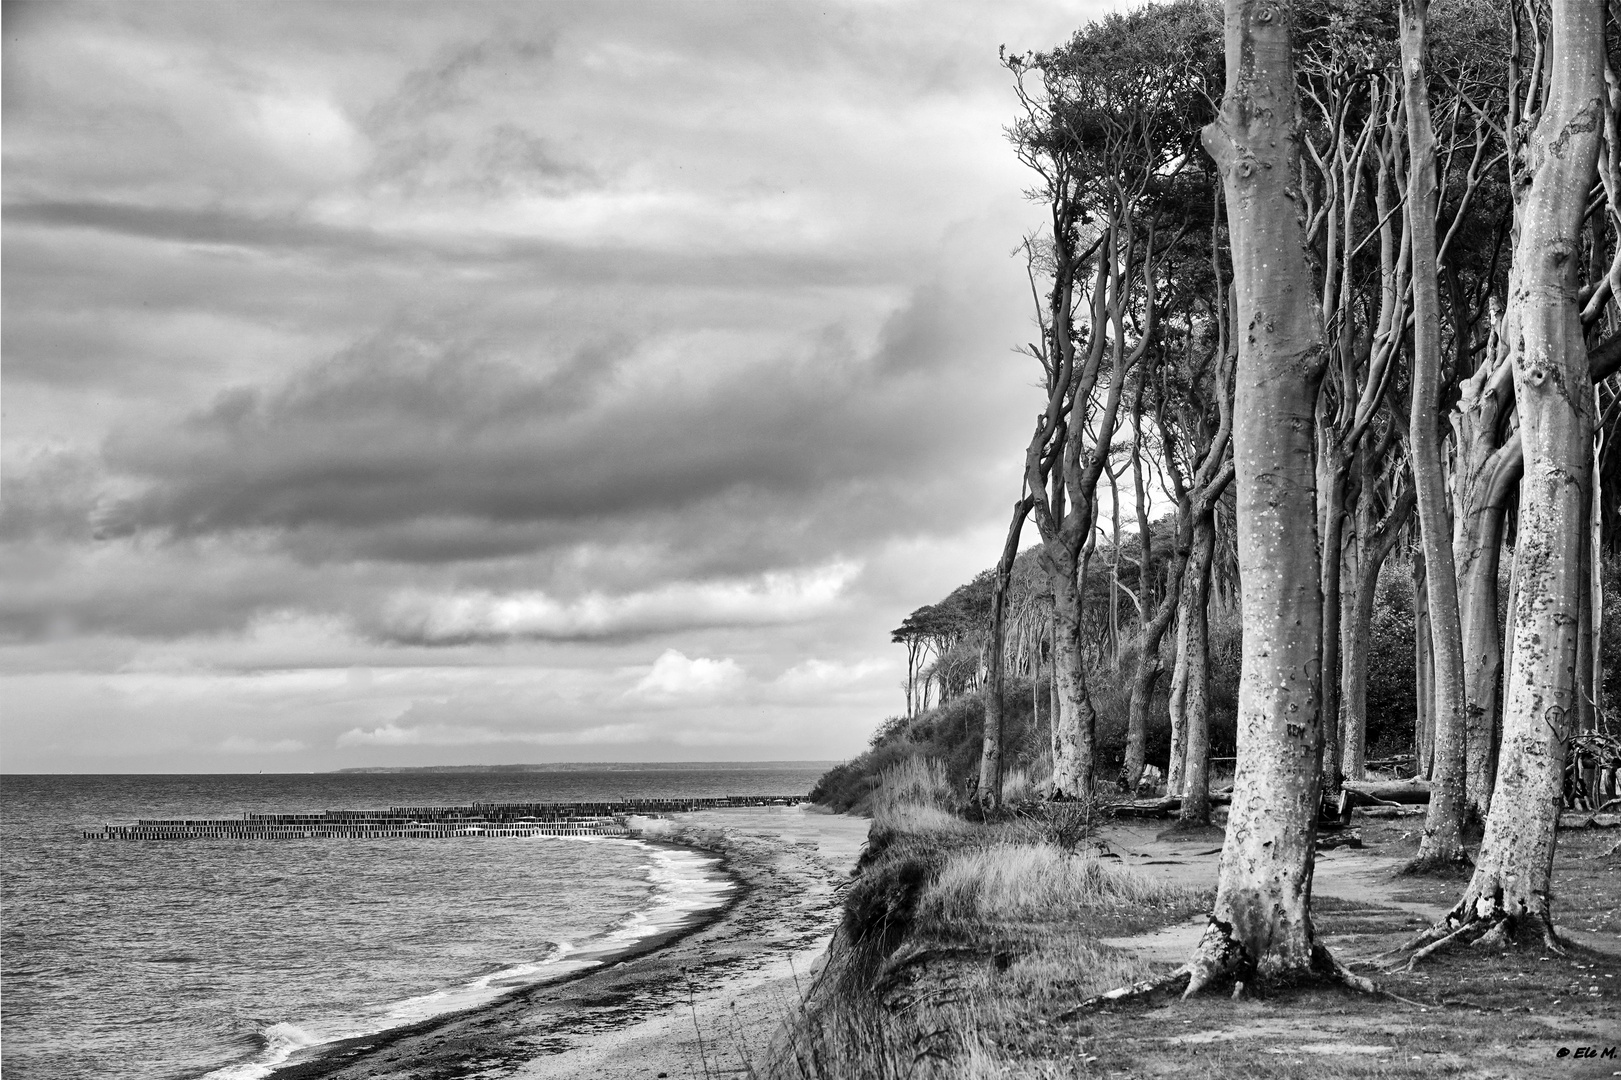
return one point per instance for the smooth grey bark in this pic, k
(990, 760)
(1376, 541)
(1176, 768)
(1151, 628)
(1442, 840)
(1195, 809)
(1261, 926)
(1488, 474)
(1510, 888)
(1423, 672)
(1332, 466)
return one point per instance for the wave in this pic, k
(277, 1042)
(684, 885)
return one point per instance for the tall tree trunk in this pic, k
(1074, 732)
(1423, 672)
(1196, 700)
(1052, 700)
(1114, 568)
(1487, 476)
(1176, 767)
(990, 759)
(1442, 842)
(1261, 926)
(1354, 653)
(1331, 476)
(1146, 675)
(1376, 542)
(1542, 325)
(1151, 630)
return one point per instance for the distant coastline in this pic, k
(593, 766)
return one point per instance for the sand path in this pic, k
(1356, 874)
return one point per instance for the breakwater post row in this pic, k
(430, 822)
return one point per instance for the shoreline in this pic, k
(593, 1022)
(320, 1059)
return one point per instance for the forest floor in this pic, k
(1525, 1012)
(1006, 987)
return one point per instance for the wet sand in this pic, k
(701, 1000)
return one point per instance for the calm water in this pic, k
(189, 959)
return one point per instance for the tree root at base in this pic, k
(1495, 929)
(1438, 865)
(1218, 959)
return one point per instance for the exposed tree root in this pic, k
(1466, 934)
(1136, 992)
(1495, 938)
(1218, 959)
(1439, 866)
(1481, 924)
(1325, 963)
(1219, 956)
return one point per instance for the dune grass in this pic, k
(962, 938)
(1038, 882)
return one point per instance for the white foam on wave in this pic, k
(685, 883)
(282, 1041)
(486, 988)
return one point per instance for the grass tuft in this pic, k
(1037, 882)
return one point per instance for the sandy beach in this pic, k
(702, 1001)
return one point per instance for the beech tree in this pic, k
(1443, 824)
(990, 758)
(1260, 926)
(1104, 127)
(1509, 892)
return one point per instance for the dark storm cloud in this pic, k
(631, 357)
(555, 262)
(400, 431)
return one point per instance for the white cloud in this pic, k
(825, 676)
(242, 744)
(674, 677)
(482, 615)
(392, 734)
(358, 221)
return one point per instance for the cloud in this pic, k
(408, 429)
(486, 616)
(242, 744)
(815, 677)
(674, 677)
(515, 352)
(396, 735)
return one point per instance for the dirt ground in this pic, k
(1524, 1013)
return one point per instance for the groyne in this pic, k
(523, 819)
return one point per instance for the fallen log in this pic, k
(1150, 808)
(1389, 811)
(1406, 792)
(1368, 795)
(1568, 820)
(1167, 807)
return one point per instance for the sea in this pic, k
(162, 960)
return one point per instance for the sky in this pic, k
(411, 384)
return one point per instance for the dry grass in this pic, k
(912, 783)
(1020, 788)
(961, 939)
(1038, 882)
